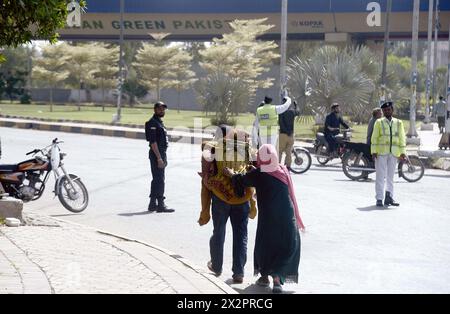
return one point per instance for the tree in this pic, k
(194, 48)
(441, 81)
(153, 66)
(133, 90)
(219, 92)
(17, 59)
(399, 81)
(240, 54)
(26, 20)
(81, 66)
(14, 71)
(302, 49)
(13, 84)
(330, 75)
(182, 77)
(50, 68)
(238, 57)
(105, 66)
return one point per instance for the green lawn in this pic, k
(173, 119)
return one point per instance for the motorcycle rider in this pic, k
(332, 123)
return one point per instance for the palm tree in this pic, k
(330, 75)
(221, 93)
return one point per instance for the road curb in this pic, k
(11, 208)
(132, 134)
(214, 280)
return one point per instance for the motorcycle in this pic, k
(27, 180)
(301, 160)
(321, 146)
(357, 164)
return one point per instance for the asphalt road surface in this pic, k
(350, 246)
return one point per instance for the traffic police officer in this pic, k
(156, 135)
(265, 128)
(388, 144)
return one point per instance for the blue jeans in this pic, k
(239, 219)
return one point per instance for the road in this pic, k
(350, 246)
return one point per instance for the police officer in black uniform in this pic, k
(156, 135)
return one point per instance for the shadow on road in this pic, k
(135, 214)
(361, 181)
(65, 215)
(254, 289)
(373, 207)
(438, 175)
(325, 168)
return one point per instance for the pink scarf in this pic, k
(267, 160)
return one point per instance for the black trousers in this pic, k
(332, 143)
(158, 176)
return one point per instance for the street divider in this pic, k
(102, 130)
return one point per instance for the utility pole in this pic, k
(436, 32)
(445, 139)
(415, 39)
(385, 53)
(428, 81)
(284, 12)
(118, 115)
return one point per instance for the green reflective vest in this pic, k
(388, 138)
(268, 120)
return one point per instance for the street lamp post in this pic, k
(430, 31)
(385, 53)
(436, 32)
(445, 139)
(118, 115)
(412, 133)
(284, 11)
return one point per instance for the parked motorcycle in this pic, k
(357, 164)
(27, 180)
(321, 146)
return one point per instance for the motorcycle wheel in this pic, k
(350, 159)
(412, 171)
(320, 152)
(301, 160)
(75, 200)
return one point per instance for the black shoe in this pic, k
(162, 208)
(379, 203)
(238, 279)
(216, 273)
(152, 206)
(388, 200)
